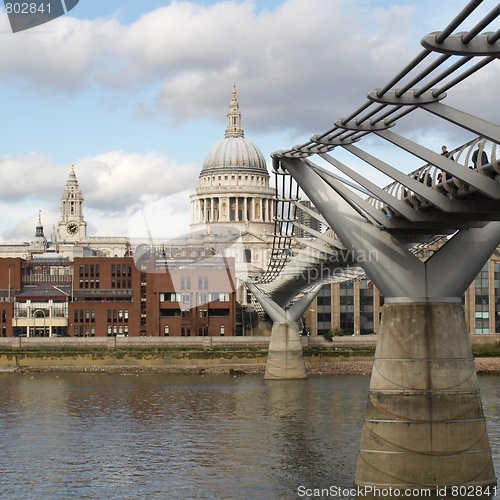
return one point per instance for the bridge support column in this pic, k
(424, 424)
(285, 358)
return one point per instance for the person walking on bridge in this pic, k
(484, 157)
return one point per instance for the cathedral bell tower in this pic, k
(72, 227)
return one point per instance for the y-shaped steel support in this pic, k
(285, 359)
(424, 424)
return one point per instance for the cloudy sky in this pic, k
(134, 93)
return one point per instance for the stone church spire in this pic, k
(39, 243)
(39, 227)
(72, 226)
(234, 118)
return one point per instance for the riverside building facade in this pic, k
(355, 307)
(53, 296)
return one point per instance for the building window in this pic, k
(324, 300)
(170, 297)
(247, 255)
(222, 330)
(167, 330)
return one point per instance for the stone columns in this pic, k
(424, 425)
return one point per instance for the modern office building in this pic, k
(355, 307)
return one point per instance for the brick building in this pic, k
(50, 295)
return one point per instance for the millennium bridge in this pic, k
(424, 425)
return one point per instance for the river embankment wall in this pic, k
(196, 353)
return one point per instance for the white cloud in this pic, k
(300, 67)
(118, 182)
(25, 177)
(163, 219)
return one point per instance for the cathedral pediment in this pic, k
(250, 237)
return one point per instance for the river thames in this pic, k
(164, 436)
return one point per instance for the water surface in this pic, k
(88, 436)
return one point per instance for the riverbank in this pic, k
(225, 355)
(358, 367)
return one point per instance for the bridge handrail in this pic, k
(444, 183)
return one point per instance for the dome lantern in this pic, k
(234, 151)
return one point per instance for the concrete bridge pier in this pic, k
(424, 424)
(285, 359)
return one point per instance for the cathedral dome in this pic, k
(234, 151)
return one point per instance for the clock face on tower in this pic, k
(72, 228)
